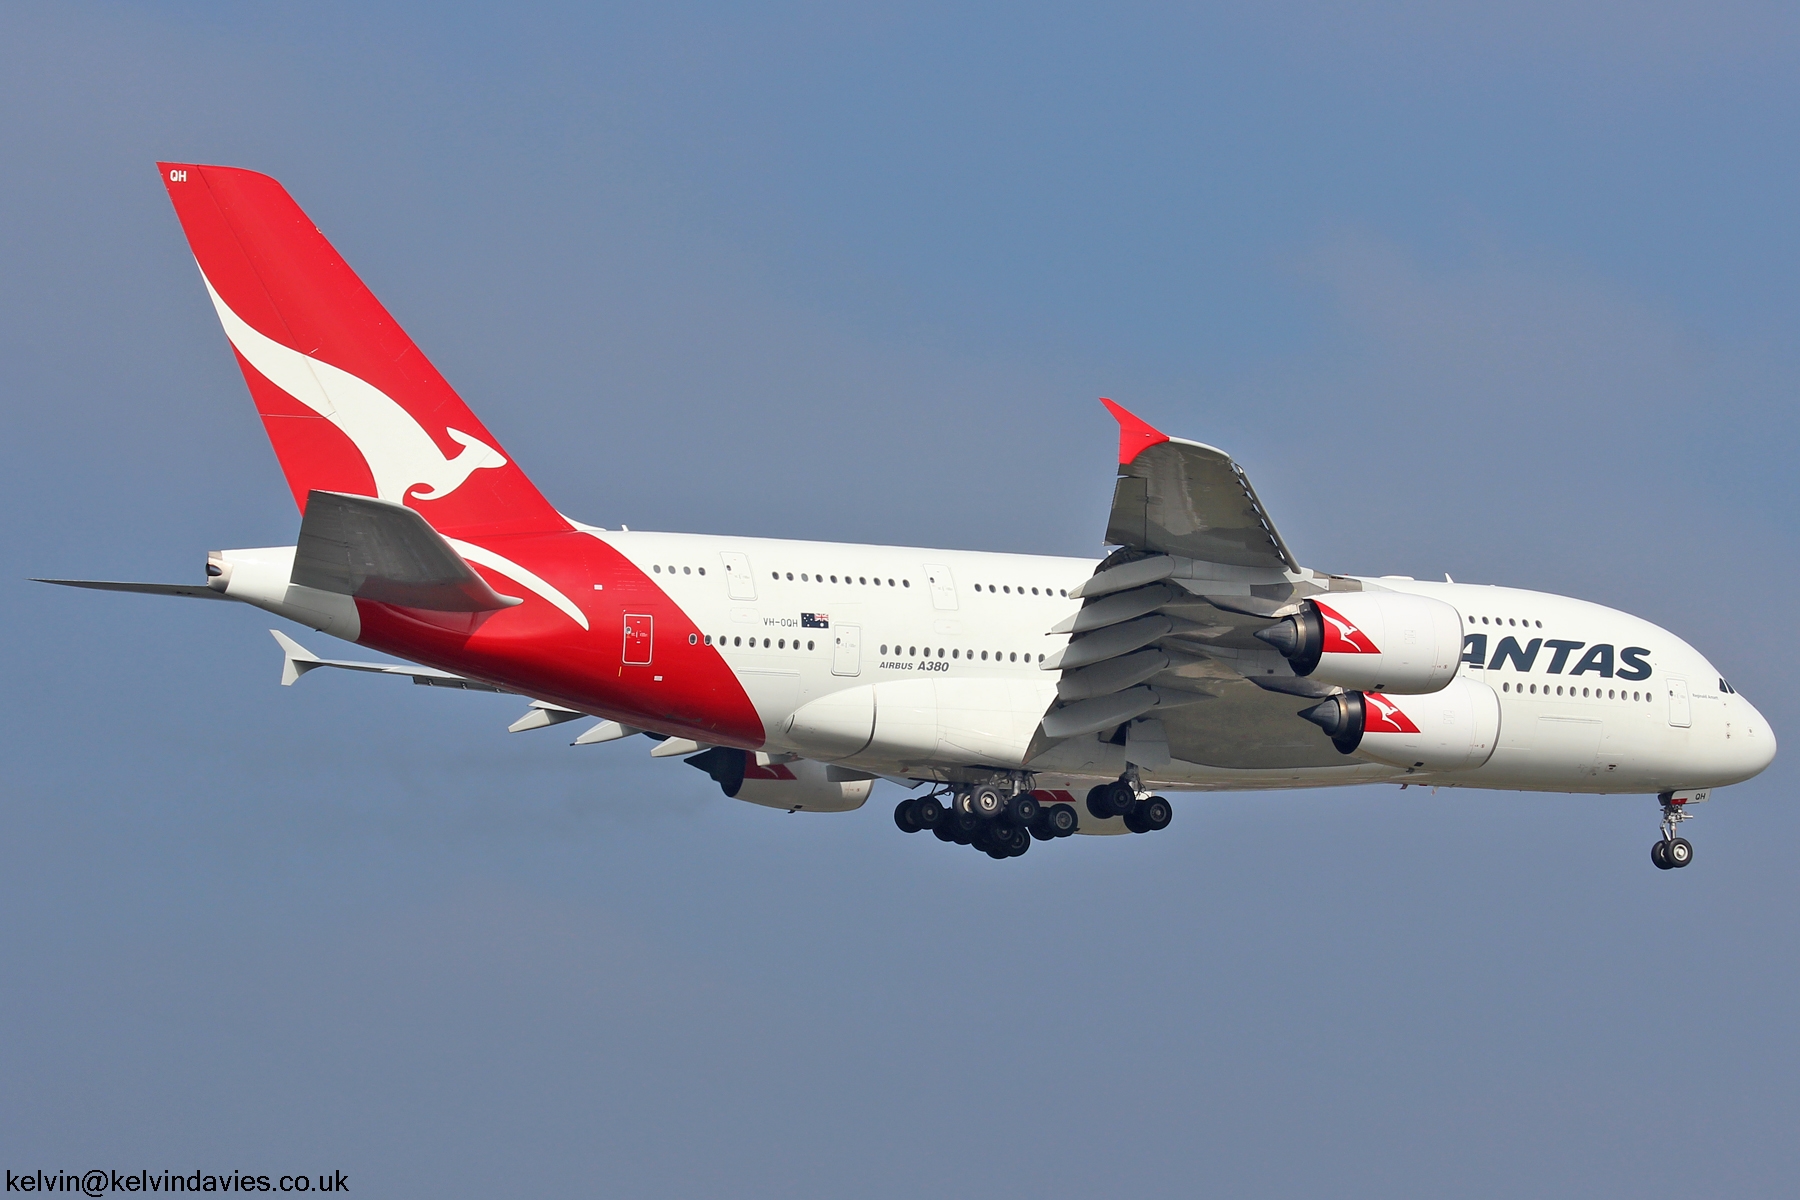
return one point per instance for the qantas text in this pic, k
(1629, 663)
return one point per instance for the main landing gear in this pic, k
(998, 822)
(1120, 799)
(1672, 851)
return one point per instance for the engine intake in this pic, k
(1372, 641)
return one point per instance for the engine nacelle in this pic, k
(798, 786)
(1372, 641)
(1453, 729)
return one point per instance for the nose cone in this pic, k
(1756, 749)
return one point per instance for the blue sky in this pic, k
(1508, 292)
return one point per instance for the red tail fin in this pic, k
(350, 403)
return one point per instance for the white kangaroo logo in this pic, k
(401, 455)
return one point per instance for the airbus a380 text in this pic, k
(1018, 698)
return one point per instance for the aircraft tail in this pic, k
(350, 403)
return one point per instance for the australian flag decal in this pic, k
(815, 621)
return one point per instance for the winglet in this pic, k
(1135, 436)
(296, 659)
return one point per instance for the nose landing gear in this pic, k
(1672, 851)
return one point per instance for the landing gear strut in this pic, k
(1672, 851)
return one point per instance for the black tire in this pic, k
(1659, 854)
(964, 826)
(928, 812)
(1022, 809)
(1680, 852)
(1062, 819)
(1121, 798)
(906, 816)
(1134, 820)
(987, 803)
(1099, 803)
(1016, 840)
(944, 831)
(1040, 829)
(1156, 813)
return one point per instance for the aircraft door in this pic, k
(943, 586)
(1681, 712)
(846, 650)
(640, 632)
(740, 583)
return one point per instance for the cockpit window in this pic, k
(1727, 688)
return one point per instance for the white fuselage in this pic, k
(810, 627)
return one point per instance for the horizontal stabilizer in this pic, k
(297, 660)
(386, 552)
(198, 591)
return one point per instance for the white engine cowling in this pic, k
(800, 785)
(1372, 641)
(1453, 729)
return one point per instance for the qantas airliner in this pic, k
(1018, 698)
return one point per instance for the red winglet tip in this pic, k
(1135, 435)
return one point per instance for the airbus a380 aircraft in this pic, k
(1031, 697)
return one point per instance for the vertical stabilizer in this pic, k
(350, 403)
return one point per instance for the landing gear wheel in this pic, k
(945, 830)
(1040, 829)
(1134, 820)
(1062, 819)
(906, 816)
(1659, 854)
(1156, 813)
(928, 812)
(1121, 797)
(1017, 841)
(1680, 852)
(1099, 803)
(987, 803)
(1022, 809)
(963, 827)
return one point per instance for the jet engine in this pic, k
(798, 786)
(1453, 729)
(1372, 641)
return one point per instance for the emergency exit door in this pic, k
(1681, 711)
(640, 632)
(846, 650)
(740, 583)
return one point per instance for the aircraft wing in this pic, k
(1161, 656)
(1180, 497)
